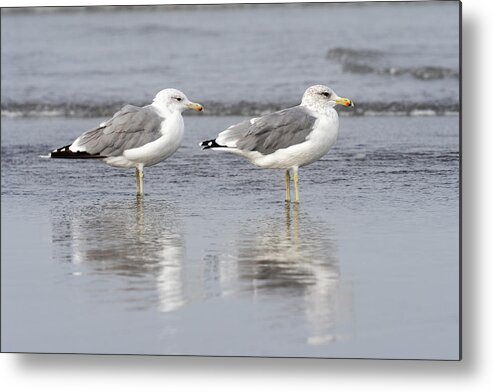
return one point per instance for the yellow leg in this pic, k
(288, 186)
(296, 186)
(139, 180)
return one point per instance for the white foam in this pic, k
(423, 112)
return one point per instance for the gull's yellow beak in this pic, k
(195, 106)
(344, 102)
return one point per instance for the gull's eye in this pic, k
(326, 94)
(178, 99)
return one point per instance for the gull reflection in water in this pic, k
(132, 251)
(291, 256)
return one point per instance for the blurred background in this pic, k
(399, 58)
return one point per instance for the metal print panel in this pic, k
(310, 210)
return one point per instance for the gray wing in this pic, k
(272, 132)
(130, 127)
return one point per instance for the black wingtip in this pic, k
(65, 153)
(209, 144)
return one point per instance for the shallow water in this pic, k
(213, 262)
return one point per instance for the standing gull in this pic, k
(135, 137)
(287, 139)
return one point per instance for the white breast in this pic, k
(318, 143)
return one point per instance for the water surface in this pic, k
(212, 261)
(244, 59)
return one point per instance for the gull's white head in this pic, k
(172, 100)
(321, 98)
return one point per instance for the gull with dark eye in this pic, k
(135, 137)
(287, 139)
